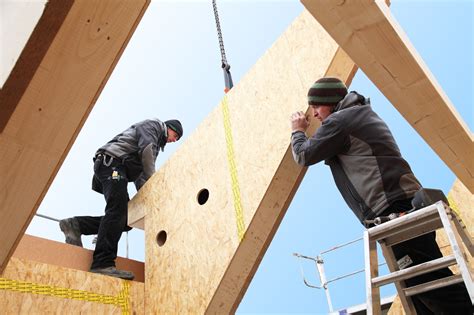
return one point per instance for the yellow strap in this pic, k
(233, 170)
(122, 300)
(454, 206)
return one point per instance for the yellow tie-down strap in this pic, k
(233, 170)
(454, 206)
(122, 300)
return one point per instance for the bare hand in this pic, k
(299, 122)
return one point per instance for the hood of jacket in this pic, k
(164, 138)
(352, 99)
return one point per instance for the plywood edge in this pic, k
(68, 256)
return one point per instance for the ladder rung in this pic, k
(432, 285)
(406, 233)
(403, 223)
(415, 270)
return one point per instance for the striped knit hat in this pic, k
(327, 91)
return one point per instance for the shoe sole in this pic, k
(131, 277)
(65, 226)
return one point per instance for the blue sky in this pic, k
(171, 69)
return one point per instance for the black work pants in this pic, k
(109, 227)
(453, 299)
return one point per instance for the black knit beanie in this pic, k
(327, 91)
(176, 126)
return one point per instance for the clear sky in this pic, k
(171, 69)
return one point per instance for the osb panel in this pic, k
(14, 302)
(373, 39)
(54, 106)
(463, 201)
(202, 267)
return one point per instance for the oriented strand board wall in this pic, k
(463, 200)
(14, 302)
(203, 266)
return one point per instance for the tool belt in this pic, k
(107, 159)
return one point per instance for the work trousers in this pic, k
(109, 227)
(453, 299)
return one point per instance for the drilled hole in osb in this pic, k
(203, 196)
(161, 238)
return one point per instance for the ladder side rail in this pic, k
(458, 252)
(462, 230)
(371, 271)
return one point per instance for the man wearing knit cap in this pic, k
(128, 157)
(372, 177)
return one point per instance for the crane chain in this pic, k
(219, 35)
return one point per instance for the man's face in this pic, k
(321, 112)
(172, 136)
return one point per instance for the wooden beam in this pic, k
(367, 31)
(42, 37)
(29, 287)
(68, 256)
(55, 103)
(203, 265)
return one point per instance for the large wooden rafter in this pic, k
(367, 31)
(48, 96)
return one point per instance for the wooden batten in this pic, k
(372, 38)
(48, 100)
(202, 266)
(28, 287)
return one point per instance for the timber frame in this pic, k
(197, 265)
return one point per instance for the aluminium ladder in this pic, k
(406, 227)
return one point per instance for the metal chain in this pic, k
(219, 34)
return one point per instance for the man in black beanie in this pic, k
(372, 177)
(128, 157)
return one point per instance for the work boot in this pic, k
(114, 272)
(71, 230)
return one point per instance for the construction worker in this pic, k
(130, 156)
(372, 177)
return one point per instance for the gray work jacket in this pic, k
(137, 148)
(364, 158)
